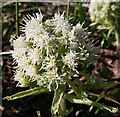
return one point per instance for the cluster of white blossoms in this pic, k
(49, 52)
(105, 12)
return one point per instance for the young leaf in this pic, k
(29, 92)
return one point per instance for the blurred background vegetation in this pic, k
(106, 69)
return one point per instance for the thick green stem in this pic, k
(17, 28)
(59, 102)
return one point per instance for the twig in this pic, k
(2, 53)
(6, 3)
(105, 97)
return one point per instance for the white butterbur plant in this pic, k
(48, 55)
(106, 14)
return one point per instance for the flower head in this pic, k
(49, 52)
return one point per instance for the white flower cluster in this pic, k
(105, 12)
(48, 52)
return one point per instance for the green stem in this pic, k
(17, 29)
(68, 6)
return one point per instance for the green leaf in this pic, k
(76, 90)
(110, 85)
(58, 103)
(115, 91)
(86, 101)
(29, 92)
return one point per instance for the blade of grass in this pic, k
(81, 13)
(17, 29)
(68, 6)
(74, 21)
(10, 32)
(96, 101)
